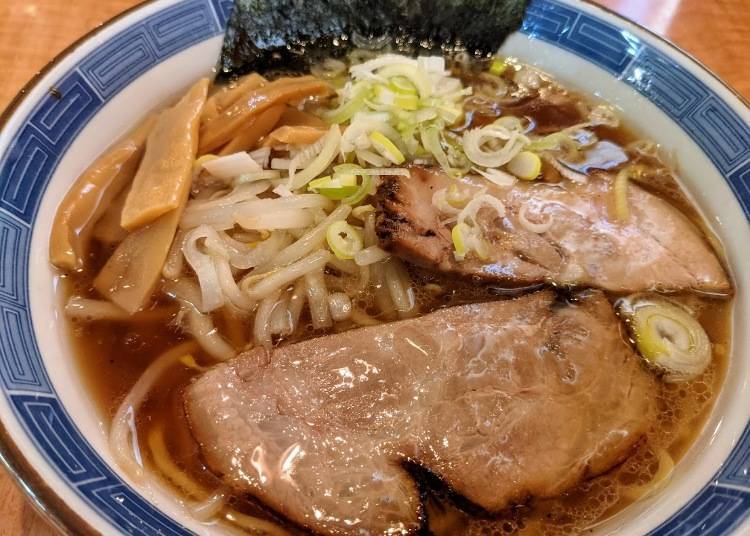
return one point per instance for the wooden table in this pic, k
(33, 31)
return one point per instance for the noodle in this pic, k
(99, 310)
(376, 271)
(297, 302)
(174, 265)
(281, 320)
(204, 267)
(229, 287)
(399, 287)
(308, 242)
(370, 255)
(123, 438)
(344, 266)
(340, 306)
(242, 192)
(370, 236)
(183, 290)
(364, 279)
(262, 328)
(382, 293)
(276, 280)
(163, 461)
(203, 329)
(210, 504)
(245, 256)
(254, 524)
(211, 507)
(660, 478)
(317, 297)
(199, 325)
(221, 218)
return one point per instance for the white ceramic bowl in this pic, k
(51, 435)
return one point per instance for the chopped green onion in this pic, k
(348, 174)
(386, 148)
(362, 191)
(264, 174)
(336, 188)
(456, 198)
(328, 152)
(448, 112)
(431, 141)
(362, 211)
(498, 66)
(459, 243)
(348, 108)
(415, 75)
(407, 102)
(525, 165)
(344, 240)
(352, 169)
(556, 142)
(667, 336)
(401, 86)
(467, 238)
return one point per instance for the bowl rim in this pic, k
(45, 500)
(51, 507)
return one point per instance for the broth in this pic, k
(111, 356)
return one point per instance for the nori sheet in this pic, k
(288, 35)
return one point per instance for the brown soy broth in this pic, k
(684, 408)
(112, 355)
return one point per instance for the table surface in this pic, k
(34, 31)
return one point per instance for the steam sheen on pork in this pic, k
(502, 401)
(658, 248)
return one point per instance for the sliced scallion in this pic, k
(336, 188)
(402, 86)
(525, 165)
(459, 242)
(344, 240)
(386, 148)
(667, 336)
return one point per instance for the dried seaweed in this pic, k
(287, 35)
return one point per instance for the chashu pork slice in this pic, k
(658, 248)
(501, 400)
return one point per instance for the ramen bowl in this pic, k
(52, 437)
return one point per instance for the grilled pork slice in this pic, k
(657, 248)
(502, 400)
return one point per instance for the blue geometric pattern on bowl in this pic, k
(47, 132)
